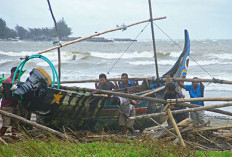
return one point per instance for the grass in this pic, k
(110, 147)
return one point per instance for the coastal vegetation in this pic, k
(34, 33)
(118, 146)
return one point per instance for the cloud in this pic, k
(204, 19)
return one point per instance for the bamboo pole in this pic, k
(203, 80)
(199, 99)
(153, 40)
(39, 126)
(211, 110)
(182, 111)
(130, 96)
(97, 80)
(97, 34)
(57, 34)
(176, 128)
(154, 91)
(149, 79)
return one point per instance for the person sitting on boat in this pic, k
(104, 84)
(8, 103)
(171, 93)
(124, 83)
(196, 90)
(126, 110)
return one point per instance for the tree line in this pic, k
(34, 33)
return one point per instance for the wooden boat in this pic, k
(61, 107)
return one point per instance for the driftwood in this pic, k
(39, 126)
(182, 111)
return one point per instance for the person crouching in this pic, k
(126, 110)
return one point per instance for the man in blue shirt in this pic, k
(196, 90)
(125, 82)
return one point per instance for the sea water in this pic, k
(86, 60)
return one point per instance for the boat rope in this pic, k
(127, 49)
(181, 49)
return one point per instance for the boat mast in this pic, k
(57, 42)
(153, 39)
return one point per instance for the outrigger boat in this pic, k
(67, 107)
(74, 108)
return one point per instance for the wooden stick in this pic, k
(24, 120)
(176, 128)
(182, 111)
(198, 99)
(130, 96)
(97, 34)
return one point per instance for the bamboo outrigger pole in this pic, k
(161, 79)
(153, 39)
(97, 34)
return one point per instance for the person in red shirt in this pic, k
(8, 104)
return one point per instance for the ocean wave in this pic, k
(208, 62)
(162, 62)
(174, 54)
(16, 54)
(135, 54)
(65, 55)
(221, 56)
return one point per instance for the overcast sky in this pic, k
(204, 19)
